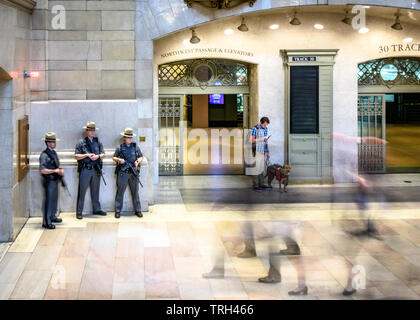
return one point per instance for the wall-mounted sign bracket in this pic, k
(219, 4)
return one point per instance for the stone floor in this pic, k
(164, 254)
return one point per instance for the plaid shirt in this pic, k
(259, 132)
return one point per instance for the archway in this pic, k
(389, 109)
(204, 109)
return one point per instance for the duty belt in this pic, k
(88, 166)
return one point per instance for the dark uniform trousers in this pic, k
(123, 179)
(51, 198)
(88, 177)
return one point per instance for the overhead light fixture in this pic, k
(194, 39)
(397, 24)
(295, 21)
(408, 40)
(274, 27)
(243, 27)
(228, 32)
(347, 19)
(318, 26)
(363, 30)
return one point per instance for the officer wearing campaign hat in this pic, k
(89, 153)
(49, 167)
(128, 158)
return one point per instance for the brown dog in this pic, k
(284, 176)
(281, 173)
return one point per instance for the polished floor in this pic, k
(164, 254)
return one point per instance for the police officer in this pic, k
(128, 157)
(89, 153)
(49, 167)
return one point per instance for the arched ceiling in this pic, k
(23, 5)
(164, 17)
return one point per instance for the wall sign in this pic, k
(310, 59)
(182, 52)
(402, 47)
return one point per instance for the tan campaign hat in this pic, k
(128, 132)
(91, 126)
(50, 136)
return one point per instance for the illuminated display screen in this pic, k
(217, 98)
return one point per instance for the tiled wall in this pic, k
(92, 58)
(111, 117)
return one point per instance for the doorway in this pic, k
(203, 112)
(214, 134)
(389, 110)
(403, 132)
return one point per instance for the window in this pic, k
(203, 73)
(390, 72)
(304, 99)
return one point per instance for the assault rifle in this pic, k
(135, 172)
(63, 183)
(99, 169)
(97, 164)
(56, 175)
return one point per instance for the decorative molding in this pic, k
(219, 4)
(203, 73)
(407, 72)
(4, 76)
(23, 5)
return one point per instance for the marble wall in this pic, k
(14, 105)
(95, 58)
(92, 57)
(111, 117)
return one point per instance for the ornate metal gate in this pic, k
(371, 126)
(170, 133)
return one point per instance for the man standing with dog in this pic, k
(259, 140)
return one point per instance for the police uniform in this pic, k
(89, 173)
(49, 160)
(130, 153)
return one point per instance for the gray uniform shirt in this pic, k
(82, 148)
(138, 153)
(45, 162)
